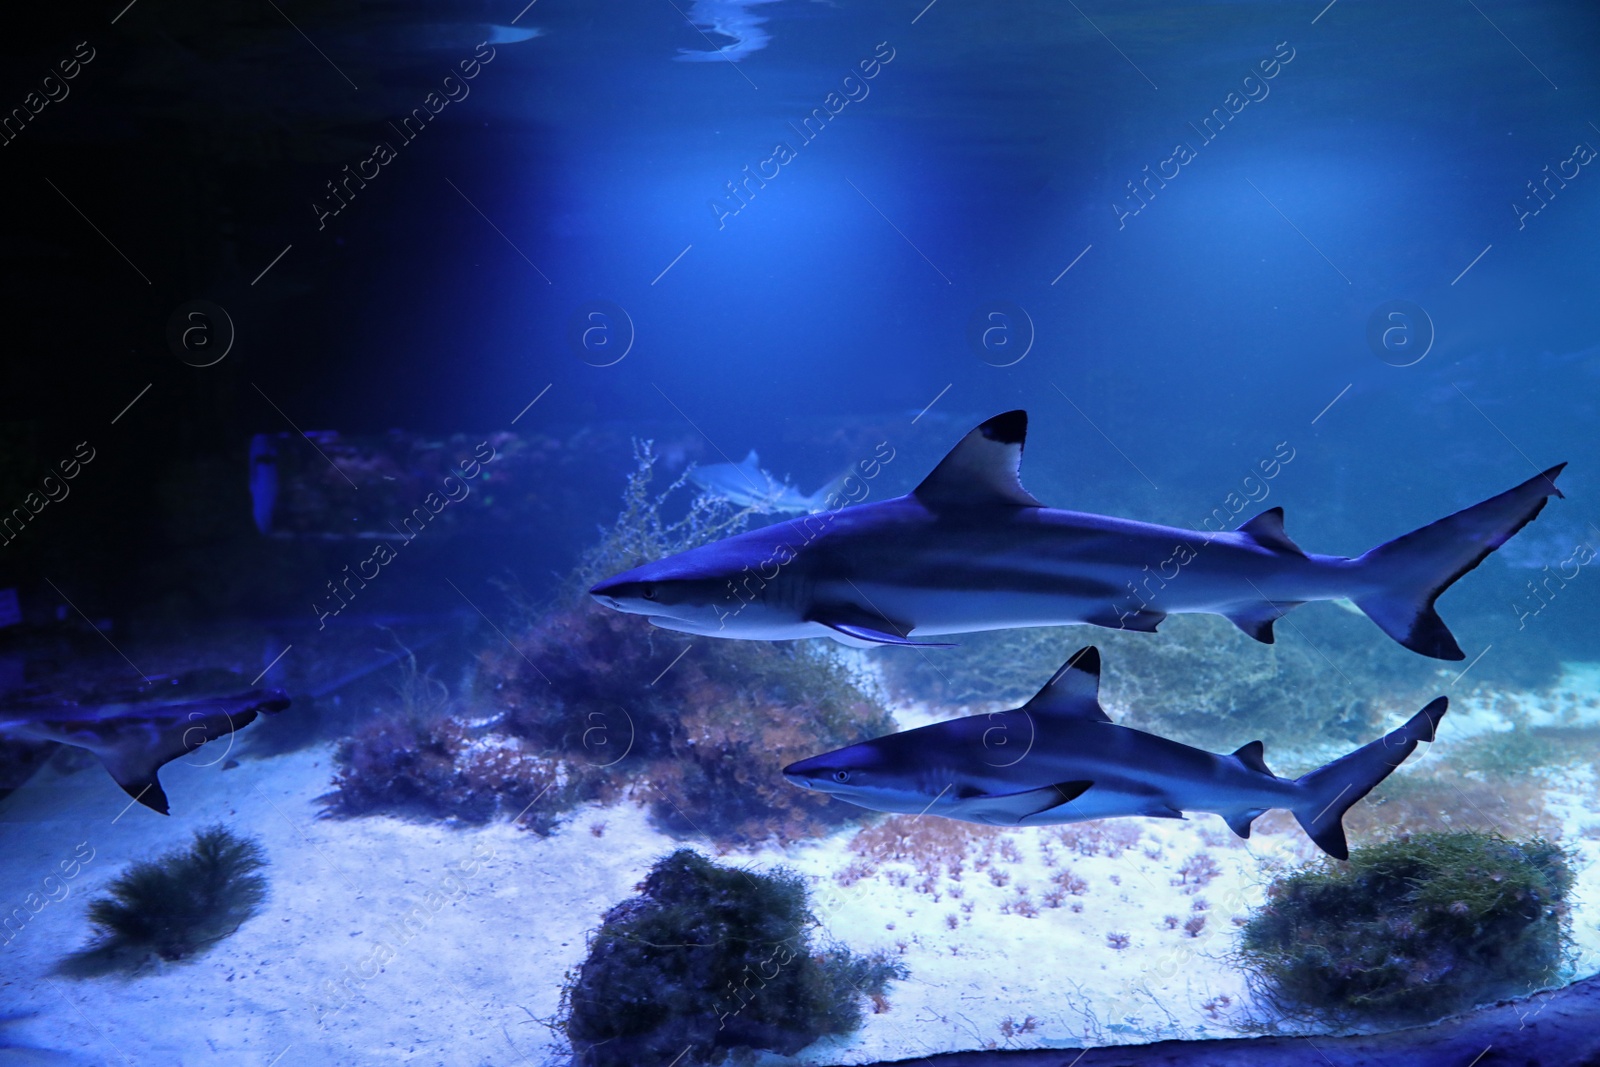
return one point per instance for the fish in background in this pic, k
(138, 731)
(970, 549)
(263, 481)
(746, 485)
(1060, 759)
(726, 18)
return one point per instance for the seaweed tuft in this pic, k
(1412, 929)
(709, 960)
(175, 907)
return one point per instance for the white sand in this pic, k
(499, 915)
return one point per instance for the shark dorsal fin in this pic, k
(1266, 529)
(983, 468)
(750, 462)
(1254, 757)
(1074, 692)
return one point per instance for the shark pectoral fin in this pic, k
(135, 756)
(1239, 822)
(1009, 809)
(983, 468)
(1144, 622)
(1074, 692)
(1257, 619)
(1266, 530)
(137, 777)
(858, 636)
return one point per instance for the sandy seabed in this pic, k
(394, 941)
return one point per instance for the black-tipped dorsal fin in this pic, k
(983, 468)
(1266, 530)
(1254, 757)
(1074, 692)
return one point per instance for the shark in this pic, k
(970, 549)
(1060, 759)
(136, 733)
(746, 485)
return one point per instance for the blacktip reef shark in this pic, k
(746, 485)
(137, 732)
(971, 549)
(1060, 759)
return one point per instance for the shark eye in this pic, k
(648, 592)
(841, 776)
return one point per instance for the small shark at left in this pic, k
(746, 485)
(1060, 759)
(137, 732)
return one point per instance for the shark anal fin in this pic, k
(1009, 809)
(1257, 619)
(1254, 757)
(1239, 822)
(1162, 810)
(1074, 692)
(982, 468)
(1266, 530)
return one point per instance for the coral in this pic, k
(438, 769)
(176, 906)
(1412, 929)
(1197, 872)
(706, 960)
(1118, 941)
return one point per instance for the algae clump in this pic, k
(707, 960)
(1412, 929)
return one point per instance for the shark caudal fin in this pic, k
(1333, 789)
(1413, 570)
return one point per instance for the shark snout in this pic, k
(605, 598)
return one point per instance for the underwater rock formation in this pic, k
(176, 906)
(707, 960)
(1412, 929)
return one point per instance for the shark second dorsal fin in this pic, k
(1074, 692)
(1266, 530)
(983, 468)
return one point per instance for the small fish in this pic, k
(746, 485)
(138, 732)
(971, 549)
(1060, 759)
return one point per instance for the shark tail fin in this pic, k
(1414, 569)
(1333, 789)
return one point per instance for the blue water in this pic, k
(1188, 239)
